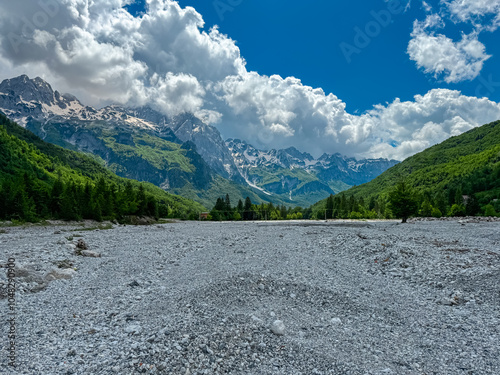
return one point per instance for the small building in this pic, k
(204, 215)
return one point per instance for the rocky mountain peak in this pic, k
(29, 90)
(23, 98)
(293, 152)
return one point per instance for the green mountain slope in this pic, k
(148, 155)
(468, 164)
(38, 166)
(129, 151)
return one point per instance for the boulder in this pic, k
(60, 273)
(278, 328)
(81, 245)
(91, 254)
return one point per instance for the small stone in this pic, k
(278, 328)
(134, 329)
(256, 319)
(335, 321)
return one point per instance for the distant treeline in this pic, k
(223, 210)
(25, 198)
(451, 202)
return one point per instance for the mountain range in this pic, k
(180, 154)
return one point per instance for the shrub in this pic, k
(457, 210)
(489, 210)
(436, 212)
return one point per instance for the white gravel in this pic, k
(204, 298)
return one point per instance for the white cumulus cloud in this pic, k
(164, 58)
(441, 56)
(475, 11)
(455, 61)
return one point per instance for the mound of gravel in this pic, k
(256, 298)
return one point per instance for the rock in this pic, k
(336, 321)
(81, 245)
(447, 302)
(21, 271)
(91, 254)
(28, 273)
(134, 329)
(70, 246)
(66, 263)
(60, 273)
(278, 328)
(256, 319)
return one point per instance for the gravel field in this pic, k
(289, 298)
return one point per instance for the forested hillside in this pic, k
(39, 180)
(462, 171)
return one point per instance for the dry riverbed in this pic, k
(255, 298)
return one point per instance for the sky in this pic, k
(366, 78)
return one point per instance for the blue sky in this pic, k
(302, 39)
(364, 78)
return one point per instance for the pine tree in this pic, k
(472, 207)
(141, 201)
(55, 198)
(227, 202)
(372, 204)
(130, 205)
(343, 207)
(459, 199)
(86, 199)
(329, 207)
(402, 201)
(69, 210)
(247, 209)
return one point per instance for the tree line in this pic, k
(403, 202)
(223, 210)
(25, 198)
